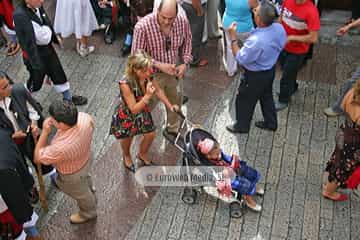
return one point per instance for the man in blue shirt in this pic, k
(258, 57)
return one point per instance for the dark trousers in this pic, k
(253, 87)
(51, 67)
(197, 28)
(290, 64)
(355, 9)
(27, 150)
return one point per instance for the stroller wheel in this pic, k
(236, 210)
(189, 196)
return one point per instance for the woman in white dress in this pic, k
(76, 17)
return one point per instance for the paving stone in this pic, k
(311, 220)
(178, 220)
(218, 233)
(294, 233)
(234, 232)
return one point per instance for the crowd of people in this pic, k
(164, 39)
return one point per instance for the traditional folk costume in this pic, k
(6, 21)
(15, 210)
(36, 36)
(16, 113)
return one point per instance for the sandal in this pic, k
(145, 163)
(13, 48)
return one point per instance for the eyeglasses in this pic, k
(167, 43)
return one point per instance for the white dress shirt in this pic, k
(5, 105)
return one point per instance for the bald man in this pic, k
(166, 36)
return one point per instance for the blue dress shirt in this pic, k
(262, 48)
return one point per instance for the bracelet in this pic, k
(233, 41)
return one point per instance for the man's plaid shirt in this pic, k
(149, 37)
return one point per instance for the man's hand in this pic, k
(196, 4)
(18, 134)
(47, 125)
(232, 30)
(35, 131)
(180, 71)
(167, 68)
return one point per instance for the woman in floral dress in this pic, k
(345, 160)
(132, 116)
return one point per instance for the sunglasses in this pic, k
(167, 43)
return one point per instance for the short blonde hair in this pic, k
(138, 61)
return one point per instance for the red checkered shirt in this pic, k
(149, 37)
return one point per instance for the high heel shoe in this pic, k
(130, 168)
(145, 163)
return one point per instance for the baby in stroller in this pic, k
(246, 179)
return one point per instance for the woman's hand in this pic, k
(175, 108)
(150, 89)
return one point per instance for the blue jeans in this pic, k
(336, 107)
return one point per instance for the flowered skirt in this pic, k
(346, 156)
(125, 124)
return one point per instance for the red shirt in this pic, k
(149, 37)
(299, 19)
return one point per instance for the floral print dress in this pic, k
(125, 124)
(346, 156)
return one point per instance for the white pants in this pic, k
(230, 61)
(211, 26)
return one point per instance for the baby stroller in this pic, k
(186, 139)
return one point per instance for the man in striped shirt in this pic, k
(69, 152)
(166, 36)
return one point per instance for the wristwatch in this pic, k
(234, 41)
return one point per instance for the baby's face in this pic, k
(214, 154)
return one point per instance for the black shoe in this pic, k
(262, 125)
(185, 99)
(294, 90)
(79, 100)
(125, 50)
(235, 129)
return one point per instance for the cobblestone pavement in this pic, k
(291, 160)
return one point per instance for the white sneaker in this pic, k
(256, 208)
(102, 26)
(260, 191)
(84, 51)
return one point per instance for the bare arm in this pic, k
(161, 95)
(312, 37)
(129, 98)
(341, 31)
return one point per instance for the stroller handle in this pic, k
(180, 114)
